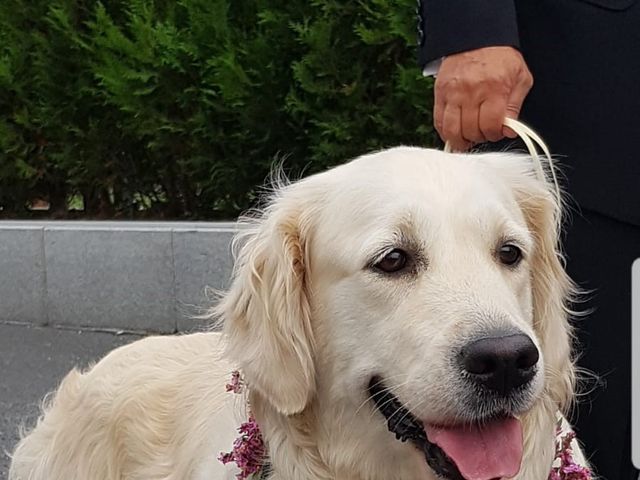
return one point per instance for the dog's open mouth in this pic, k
(488, 450)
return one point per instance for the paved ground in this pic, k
(32, 362)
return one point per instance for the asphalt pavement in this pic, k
(33, 360)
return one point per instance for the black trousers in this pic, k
(600, 252)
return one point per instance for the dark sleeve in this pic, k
(452, 26)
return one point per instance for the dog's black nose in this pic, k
(500, 363)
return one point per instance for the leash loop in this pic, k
(532, 140)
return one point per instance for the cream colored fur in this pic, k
(308, 323)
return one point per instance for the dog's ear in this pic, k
(266, 311)
(552, 287)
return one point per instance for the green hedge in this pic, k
(178, 108)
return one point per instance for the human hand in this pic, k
(475, 91)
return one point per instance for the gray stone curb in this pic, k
(150, 276)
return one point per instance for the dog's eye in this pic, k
(393, 261)
(509, 255)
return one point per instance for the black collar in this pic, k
(266, 469)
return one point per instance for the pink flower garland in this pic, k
(248, 449)
(568, 468)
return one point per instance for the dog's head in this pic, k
(428, 281)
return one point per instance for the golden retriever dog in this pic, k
(399, 317)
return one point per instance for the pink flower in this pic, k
(236, 385)
(568, 469)
(248, 449)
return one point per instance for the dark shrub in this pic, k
(177, 109)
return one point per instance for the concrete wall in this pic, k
(148, 276)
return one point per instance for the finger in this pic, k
(515, 101)
(469, 119)
(451, 128)
(491, 118)
(438, 115)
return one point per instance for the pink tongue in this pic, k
(491, 451)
